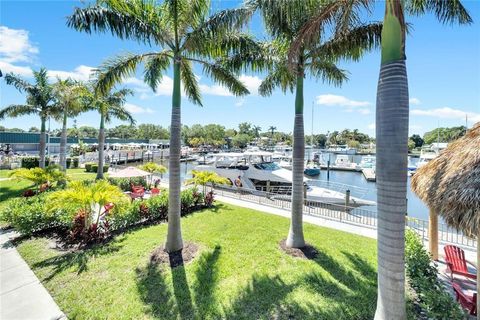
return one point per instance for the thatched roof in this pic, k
(450, 183)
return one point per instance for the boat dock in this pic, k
(340, 168)
(369, 174)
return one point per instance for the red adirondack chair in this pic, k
(137, 192)
(456, 262)
(466, 295)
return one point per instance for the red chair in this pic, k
(137, 192)
(456, 262)
(154, 191)
(109, 206)
(466, 295)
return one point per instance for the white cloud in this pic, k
(252, 83)
(371, 126)
(341, 101)
(133, 108)
(215, 90)
(81, 73)
(15, 45)
(414, 101)
(364, 111)
(7, 67)
(447, 113)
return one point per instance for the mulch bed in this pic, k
(307, 252)
(177, 258)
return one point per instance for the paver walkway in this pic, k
(23, 297)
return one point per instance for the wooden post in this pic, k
(433, 234)
(268, 186)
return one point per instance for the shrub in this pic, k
(74, 162)
(88, 166)
(433, 300)
(28, 215)
(94, 168)
(33, 162)
(125, 183)
(42, 178)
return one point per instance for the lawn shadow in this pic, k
(9, 192)
(206, 275)
(262, 298)
(354, 292)
(78, 259)
(165, 303)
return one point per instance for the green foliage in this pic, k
(422, 273)
(417, 140)
(241, 140)
(411, 144)
(153, 167)
(125, 183)
(28, 215)
(94, 168)
(51, 174)
(205, 177)
(444, 134)
(32, 162)
(88, 166)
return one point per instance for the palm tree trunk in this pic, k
(174, 235)
(392, 149)
(63, 142)
(101, 142)
(295, 235)
(42, 143)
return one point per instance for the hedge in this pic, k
(33, 162)
(431, 298)
(28, 215)
(93, 167)
(126, 183)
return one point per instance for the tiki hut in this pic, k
(450, 186)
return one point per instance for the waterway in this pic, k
(416, 208)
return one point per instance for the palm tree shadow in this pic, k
(206, 276)
(262, 298)
(77, 259)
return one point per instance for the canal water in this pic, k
(416, 208)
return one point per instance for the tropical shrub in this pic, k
(126, 183)
(206, 177)
(433, 301)
(74, 162)
(33, 162)
(89, 200)
(41, 178)
(152, 167)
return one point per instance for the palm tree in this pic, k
(40, 101)
(182, 34)
(392, 140)
(205, 177)
(69, 101)
(272, 131)
(39, 176)
(284, 20)
(109, 105)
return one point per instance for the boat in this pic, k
(343, 161)
(311, 169)
(255, 171)
(430, 152)
(367, 162)
(283, 161)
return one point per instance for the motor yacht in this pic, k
(257, 172)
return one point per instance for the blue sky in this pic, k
(442, 61)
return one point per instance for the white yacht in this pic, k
(430, 152)
(256, 171)
(367, 162)
(343, 161)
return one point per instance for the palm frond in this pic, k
(190, 83)
(328, 72)
(19, 84)
(136, 19)
(116, 69)
(281, 77)
(350, 45)
(155, 66)
(224, 77)
(16, 110)
(119, 113)
(446, 11)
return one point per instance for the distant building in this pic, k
(28, 143)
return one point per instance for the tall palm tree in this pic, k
(392, 115)
(109, 105)
(272, 131)
(40, 101)
(284, 19)
(69, 101)
(181, 33)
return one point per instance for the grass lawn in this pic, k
(239, 273)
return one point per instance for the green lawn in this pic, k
(240, 273)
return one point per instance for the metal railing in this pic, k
(337, 212)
